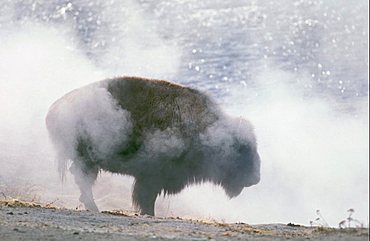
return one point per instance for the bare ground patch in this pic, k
(32, 221)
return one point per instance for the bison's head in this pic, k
(243, 169)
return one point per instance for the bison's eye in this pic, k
(242, 149)
(244, 156)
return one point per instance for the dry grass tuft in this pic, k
(14, 202)
(21, 193)
(125, 213)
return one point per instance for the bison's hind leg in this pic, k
(85, 178)
(85, 171)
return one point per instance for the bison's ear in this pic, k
(243, 130)
(243, 123)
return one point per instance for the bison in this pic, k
(165, 135)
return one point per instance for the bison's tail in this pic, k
(62, 167)
(61, 159)
(56, 136)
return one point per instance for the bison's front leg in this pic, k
(144, 196)
(85, 178)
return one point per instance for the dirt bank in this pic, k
(22, 221)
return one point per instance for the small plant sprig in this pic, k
(319, 221)
(346, 223)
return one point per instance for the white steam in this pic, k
(37, 66)
(91, 114)
(136, 47)
(39, 63)
(312, 157)
(164, 143)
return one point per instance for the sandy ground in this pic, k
(28, 221)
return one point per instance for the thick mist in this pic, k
(37, 66)
(299, 74)
(312, 157)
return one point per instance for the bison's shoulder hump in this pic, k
(162, 102)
